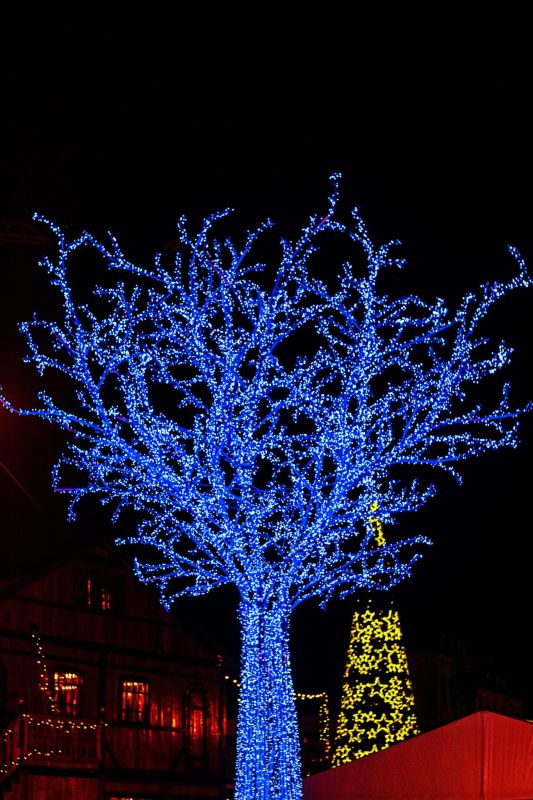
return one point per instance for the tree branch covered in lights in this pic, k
(248, 461)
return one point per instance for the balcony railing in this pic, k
(45, 740)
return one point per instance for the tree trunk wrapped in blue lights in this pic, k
(268, 765)
(245, 463)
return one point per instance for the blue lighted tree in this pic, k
(250, 462)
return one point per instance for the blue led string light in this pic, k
(257, 470)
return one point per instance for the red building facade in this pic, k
(102, 695)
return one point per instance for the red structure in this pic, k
(484, 756)
(102, 695)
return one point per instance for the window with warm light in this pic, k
(196, 730)
(97, 594)
(66, 693)
(105, 598)
(134, 700)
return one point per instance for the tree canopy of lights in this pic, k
(377, 702)
(248, 458)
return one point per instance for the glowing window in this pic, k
(196, 724)
(98, 595)
(105, 598)
(134, 701)
(67, 693)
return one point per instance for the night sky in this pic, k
(126, 124)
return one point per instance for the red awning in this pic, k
(484, 756)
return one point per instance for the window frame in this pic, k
(139, 679)
(194, 759)
(95, 588)
(56, 693)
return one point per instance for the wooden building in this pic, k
(103, 696)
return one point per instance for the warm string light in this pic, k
(42, 667)
(65, 725)
(59, 726)
(323, 718)
(247, 466)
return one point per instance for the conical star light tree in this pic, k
(377, 702)
(246, 465)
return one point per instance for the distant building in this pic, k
(450, 686)
(102, 695)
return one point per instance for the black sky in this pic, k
(126, 124)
